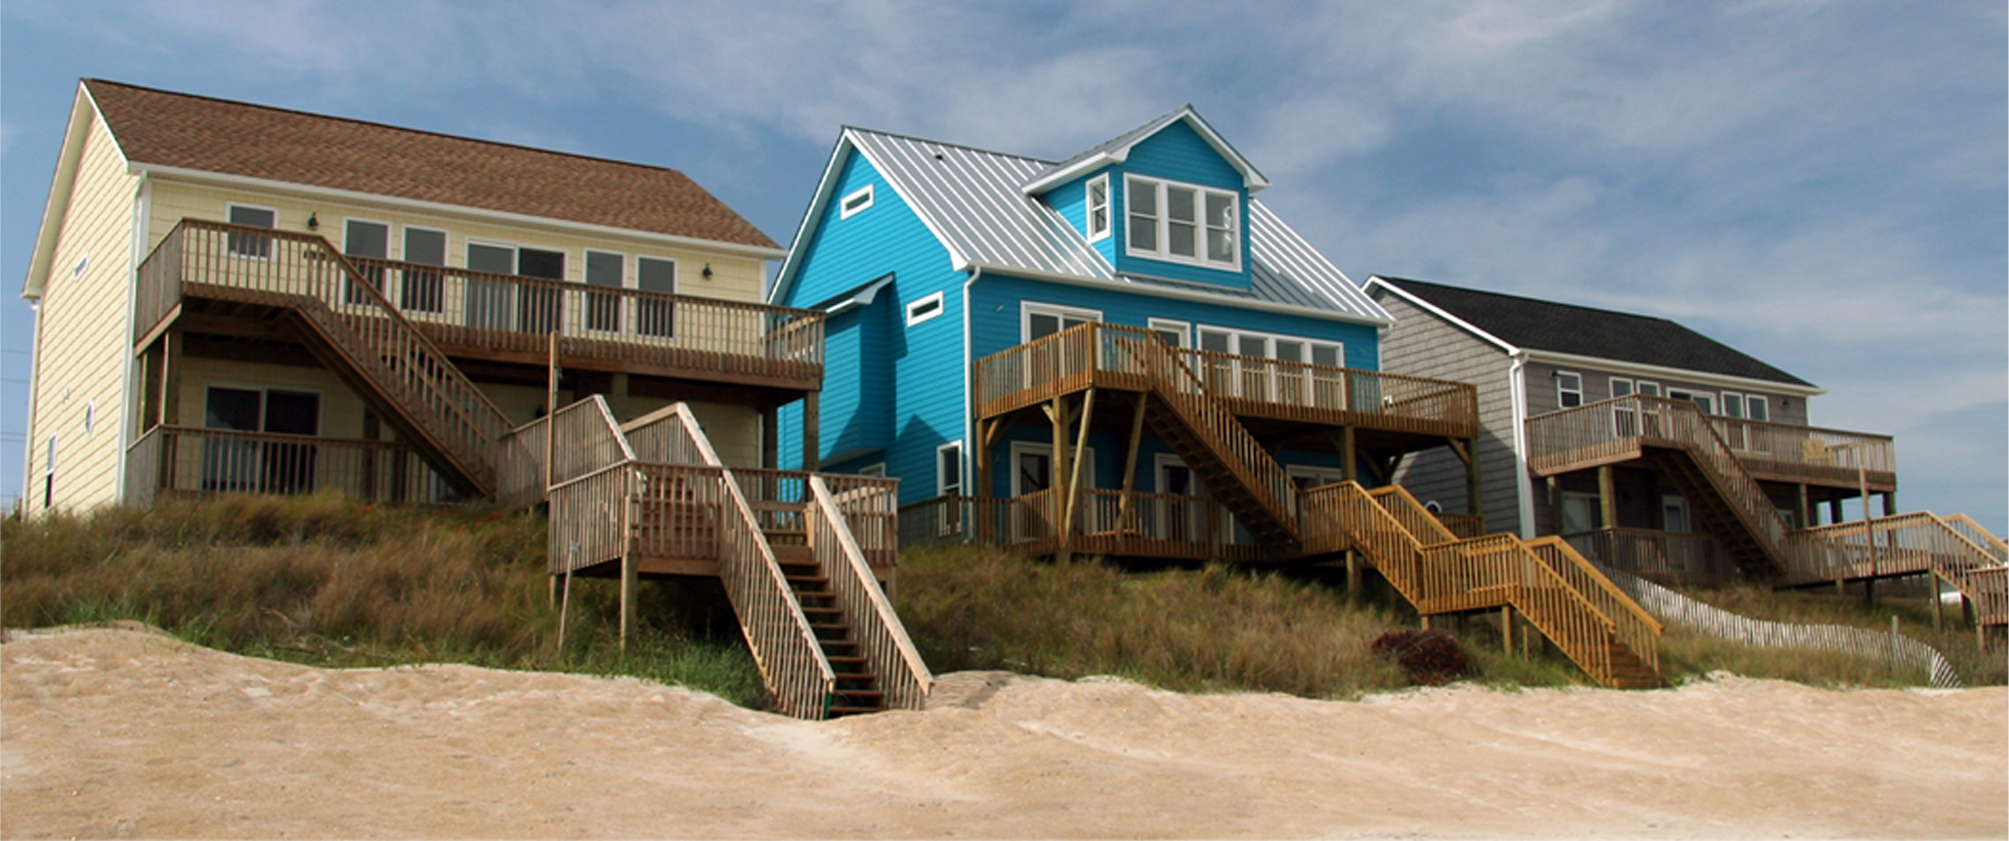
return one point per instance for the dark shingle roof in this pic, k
(234, 138)
(1584, 331)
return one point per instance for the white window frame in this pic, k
(1089, 206)
(390, 232)
(1184, 329)
(1310, 388)
(626, 281)
(1560, 390)
(877, 470)
(926, 314)
(404, 302)
(1036, 448)
(1163, 223)
(676, 285)
(228, 210)
(962, 470)
(844, 208)
(1026, 310)
(1690, 394)
(1649, 388)
(1752, 401)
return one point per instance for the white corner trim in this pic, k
(1517, 381)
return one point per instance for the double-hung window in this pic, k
(1037, 321)
(1182, 223)
(1098, 207)
(1624, 414)
(1569, 390)
(251, 245)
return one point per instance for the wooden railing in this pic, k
(519, 466)
(1994, 546)
(1156, 525)
(305, 273)
(1667, 557)
(1463, 525)
(1609, 428)
(1904, 544)
(1787, 451)
(1217, 431)
(1071, 359)
(175, 460)
(1560, 594)
(881, 639)
(500, 313)
(589, 439)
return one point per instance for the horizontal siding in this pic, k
(81, 359)
(1178, 153)
(1422, 345)
(1543, 396)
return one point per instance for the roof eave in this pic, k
(1176, 294)
(1711, 377)
(1376, 281)
(1252, 179)
(61, 183)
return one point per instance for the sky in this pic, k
(1822, 185)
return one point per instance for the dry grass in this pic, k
(1955, 641)
(326, 581)
(1216, 629)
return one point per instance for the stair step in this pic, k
(841, 711)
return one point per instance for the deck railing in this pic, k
(175, 460)
(1161, 525)
(1667, 557)
(1900, 545)
(520, 479)
(1069, 360)
(1786, 451)
(1631, 624)
(500, 313)
(1986, 540)
(1612, 428)
(303, 272)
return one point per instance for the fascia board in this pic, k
(1375, 281)
(1175, 294)
(733, 248)
(83, 114)
(807, 227)
(1642, 369)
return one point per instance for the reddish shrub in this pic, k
(1430, 658)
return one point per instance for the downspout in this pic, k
(1517, 384)
(34, 395)
(969, 397)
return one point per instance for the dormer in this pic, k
(1167, 200)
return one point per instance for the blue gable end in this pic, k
(892, 392)
(1177, 153)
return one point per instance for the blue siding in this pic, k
(1178, 153)
(887, 387)
(1070, 200)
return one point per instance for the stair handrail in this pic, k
(791, 664)
(1187, 394)
(1981, 537)
(1631, 623)
(519, 469)
(882, 638)
(591, 439)
(1830, 552)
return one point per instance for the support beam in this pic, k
(1349, 464)
(170, 380)
(1352, 576)
(1057, 467)
(1607, 497)
(631, 580)
(1834, 510)
(1555, 506)
(1074, 469)
(1507, 627)
(1475, 503)
(1803, 506)
(1130, 469)
(812, 422)
(770, 438)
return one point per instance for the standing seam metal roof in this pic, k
(972, 199)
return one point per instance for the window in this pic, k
(1098, 207)
(876, 471)
(369, 240)
(1168, 220)
(1707, 403)
(607, 270)
(924, 309)
(1174, 333)
(1621, 387)
(1733, 405)
(1674, 514)
(1569, 390)
(494, 304)
(90, 417)
(1032, 468)
(49, 475)
(949, 469)
(855, 201)
(656, 317)
(83, 263)
(1293, 384)
(1649, 388)
(1624, 415)
(423, 291)
(251, 245)
(1037, 321)
(258, 465)
(1758, 407)
(1581, 512)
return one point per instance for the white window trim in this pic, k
(1723, 405)
(389, 229)
(1643, 385)
(844, 208)
(1236, 334)
(1757, 400)
(676, 288)
(1026, 309)
(446, 253)
(1612, 387)
(1184, 329)
(1036, 448)
(1560, 391)
(927, 314)
(962, 487)
(228, 207)
(627, 280)
(1088, 209)
(1163, 218)
(877, 470)
(1689, 394)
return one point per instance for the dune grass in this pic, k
(1692, 653)
(329, 582)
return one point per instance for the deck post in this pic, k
(1555, 506)
(770, 438)
(1507, 627)
(551, 412)
(1055, 468)
(630, 582)
(1474, 503)
(811, 426)
(1074, 468)
(1889, 503)
(1834, 510)
(1607, 497)
(170, 378)
(1938, 603)
(1349, 455)
(1800, 500)
(1353, 576)
(1123, 512)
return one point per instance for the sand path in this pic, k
(124, 733)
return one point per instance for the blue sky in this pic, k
(1819, 184)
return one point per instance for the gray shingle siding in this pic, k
(1423, 345)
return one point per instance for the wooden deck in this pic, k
(1106, 356)
(1624, 429)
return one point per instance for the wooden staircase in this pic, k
(1590, 620)
(1715, 513)
(1218, 449)
(855, 690)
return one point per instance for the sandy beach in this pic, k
(108, 733)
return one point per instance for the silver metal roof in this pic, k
(974, 203)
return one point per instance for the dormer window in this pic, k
(1098, 207)
(1168, 221)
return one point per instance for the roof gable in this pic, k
(1537, 325)
(194, 133)
(1116, 150)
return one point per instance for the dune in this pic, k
(124, 732)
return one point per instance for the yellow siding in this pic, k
(734, 277)
(82, 355)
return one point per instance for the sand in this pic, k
(128, 733)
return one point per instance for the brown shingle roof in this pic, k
(255, 141)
